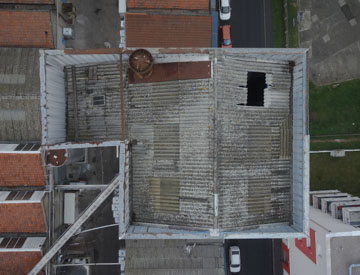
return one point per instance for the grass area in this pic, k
(279, 23)
(335, 110)
(293, 24)
(335, 173)
(334, 146)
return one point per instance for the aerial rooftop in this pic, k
(218, 137)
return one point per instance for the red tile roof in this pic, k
(21, 170)
(168, 31)
(169, 4)
(22, 218)
(27, 1)
(19, 263)
(25, 29)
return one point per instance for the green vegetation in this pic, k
(335, 173)
(293, 24)
(334, 145)
(279, 23)
(334, 109)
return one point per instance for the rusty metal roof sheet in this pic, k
(169, 4)
(174, 71)
(168, 31)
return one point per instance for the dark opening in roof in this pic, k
(256, 85)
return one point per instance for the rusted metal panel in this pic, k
(174, 71)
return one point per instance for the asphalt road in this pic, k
(256, 256)
(251, 23)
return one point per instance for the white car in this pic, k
(224, 9)
(235, 262)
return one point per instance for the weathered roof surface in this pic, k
(27, 1)
(254, 144)
(169, 257)
(19, 95)
(21, 170)
(168, 31)
(18, 262)
(169, 4)
(200, 143)
(26, 29)
(22, 218)
(173, 124)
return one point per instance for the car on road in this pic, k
(226, 36)
(224, 10)
(235, 262)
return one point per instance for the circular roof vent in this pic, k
(141, 63)
(56, 157)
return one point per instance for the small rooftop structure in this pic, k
(19, 255)
(22, 212)
(219, 137)
(21, 165)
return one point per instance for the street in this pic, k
(251, 24)
(257, 256)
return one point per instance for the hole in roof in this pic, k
(256, 85)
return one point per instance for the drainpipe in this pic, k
(351, 267)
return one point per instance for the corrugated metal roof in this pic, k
(254, 182)
(196, 138)
(169, 4)
(174, 71)
(168, 31)
(19, 95)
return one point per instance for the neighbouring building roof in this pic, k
(19, 95)
(155, 257)
(168, 31)
(27, 1)
(26, 29)
(169, 4)
(21, 170)
(18, 262)
(205, 154)
(22, 217)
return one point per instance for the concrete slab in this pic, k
(335, 24)
(96, 24)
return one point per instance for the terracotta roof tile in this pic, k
(22, 218)
(169, 4)
(21, 170)
(27, 1)
(25, 29)
(18, 263)
(167, 31)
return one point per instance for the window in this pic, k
(19, 195)
(99, 100)
(256, 85)
(27, 147)
(12, 242)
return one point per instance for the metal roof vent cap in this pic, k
(141, 63)
(57, 158)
